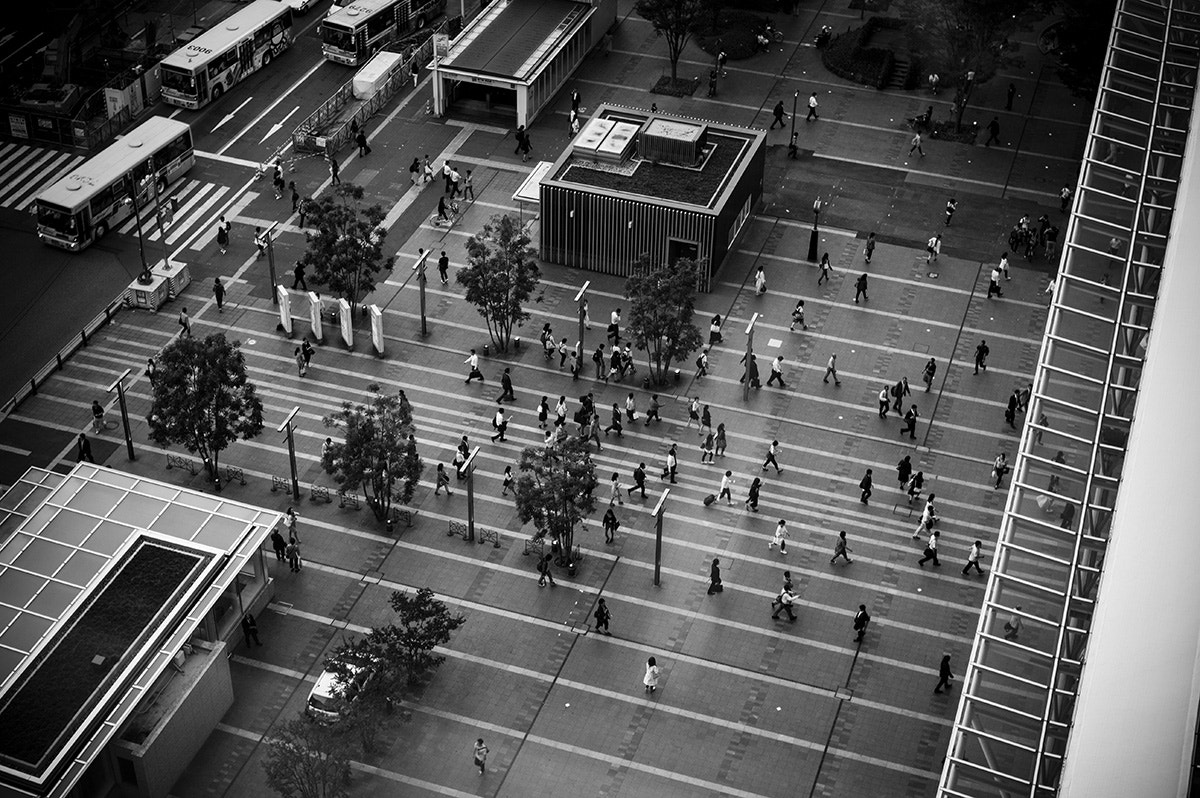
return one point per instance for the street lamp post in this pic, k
(162, 232)
(795, 99)
(419, 268)
(266, 234)
(749, 355)
(657, 512)
(581, 301)
(469, 467)
(119, 385)
(812, 238)
(291, 442)
(144, 277)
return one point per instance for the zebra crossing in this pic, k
(25, 170)
(196, 200)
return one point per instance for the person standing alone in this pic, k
(812, 108)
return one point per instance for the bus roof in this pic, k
(353, 14)
(116, 159)
(233, 28)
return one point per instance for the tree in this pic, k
(378, 451)
(307, 760)
(501, 275)
(554, 490)
(203, 399)
(675, 21)
(346, 252)
(1083, 43)
(662, 306)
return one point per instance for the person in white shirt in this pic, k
(1012, 627)
(931, 550)
(726, 488)
(929, 517)
(473, 361)
(772, 451)
(973, 558)
(780, 537)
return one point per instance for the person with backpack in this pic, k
(611, 524)
(544, 571)
(602, 616)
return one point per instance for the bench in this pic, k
(457, 528)
(492, 535)
(179, 461)
(235, 473)
(280, 483)
(345, 498)
(318, 493)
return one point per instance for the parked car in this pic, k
(332, 693)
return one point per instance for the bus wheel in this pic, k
(421, 21)
(101, 231)
(266, 59)
(217, 91)
(161, 187)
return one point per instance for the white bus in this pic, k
(207, 66)
(87, 203)
(352, 34)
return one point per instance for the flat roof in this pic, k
(511, 37)
(67, 537)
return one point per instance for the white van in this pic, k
(330, 695)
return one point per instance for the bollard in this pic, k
(486, 350)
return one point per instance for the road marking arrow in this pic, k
(231, 114)
(275, 127)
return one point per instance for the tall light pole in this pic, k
(162, 231)
(795, 99)
(812, 239)
(469, 467)
(144, 277)
(119, 385)
(419, 268)
(291, 442)
(749, 356)
(657, 513)
(266, 234)
(581, 301)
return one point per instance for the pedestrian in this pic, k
(303, 209)
(772, 451)
(951, 207)
(694, 413)
(719, 442)
(751, 371)
(469, 186)
(292, 552)
(426, 171)
(185, 324)
(930, 552)
(298, 277)
(614, 327)
(279, 545)
(611, 524)
(602, 616)
(443, 267)
(295, 196)
(928, 518)
(1061, 459)
(1064, 198)
(777, 602)
(831, 371)
(870, 248)
(714, 577)
(414, 171)
(614, 490)
(904, 470)
(702, 363)
(779, 115)
(650, 680)
(884, 402)
(706, 449)
(899, 391)
(861, 620)
(1012, 627)
(1003, 266)
(151, 371)
(219, 294)
(481, 752)
(784, 601)
(916, 485)
(506, 386)
(222, 235)
(526, 147)
(593, 431)
(910, 422)
(499, 423)
(776, 372)
(260, 243)
(544, 571)
(334, 169)
(993, 129)
(507, 481)
(860, 288)
(760, 281)
(1012, 92)
(706, 421)
(639, 481)
(85, 449)
(928, 374)
(981, 353)
(916, 144)
(442, 481)
(473, 361)
(250, 630)
(865, 486)
(714, 331)
(543, 411)
(994, 283)
(944, 674)
(999, 469)
(726, 491)
(455, 180)
(298, 356)
(753, 494)
(652, 412)
(973, 558)
(840, 549)
(277, 180)
(564, 352)
(1010, 411)
(824, 269)
(933, 248)
(798, 316)
(447, 171)
(812, 107)
(780, 537)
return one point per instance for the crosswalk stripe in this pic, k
(17, 164)
(180, 190)
(54, 172)
(17, 184)
(198, 216)
(185, 205)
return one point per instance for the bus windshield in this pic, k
(338, 37)
(58, 219)
(177, 79)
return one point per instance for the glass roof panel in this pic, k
(219, 532)
(54, 599)
(137, 510)
(179, 521)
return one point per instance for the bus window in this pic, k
(57, 219)
(178, 80)
(340, 38)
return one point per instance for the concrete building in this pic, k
(119, 596)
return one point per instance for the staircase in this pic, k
(899, 77)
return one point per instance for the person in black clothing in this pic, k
(250, 629)
(865, 486)
(298, 274)
(279, 545)
(861, 619)
(904, 470)
(779, 115)
(506, 386)
(364, 149)
(443, 267)
(714, 578)
(639, 480)
(944, 674)
(85, 449)
(993, 129)
(860, 288)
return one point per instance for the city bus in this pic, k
(91, 200)
(352, 34)
(207, 66)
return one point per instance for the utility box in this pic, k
(371, 77)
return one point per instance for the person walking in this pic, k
(639, 481)
(360, 139)
(672, 463)
(185, 324)
(750, 372)
(702, 363)
(443, 267)
(760, 282)
(1064, 198)
(824, 268)
(151, 371)
(469, 186)
(798, 316)
(772, 451)
(543, 411)
(784, 602)
(840, 549)
(904, 470)
(726, 491)
(650, 680)
(480, 756)
(993, 129)
(899, 391)
(994, 283)
(777, 602)
(776, 372)
(85, 449)
(306, 352)
(1012, 93)
(219, 294)
(706, 449)
(526, 147)
(499, 423)
(694, 413)
(779, 115)
(930, 552)
(780, 537)
(652, 412)
(1012, 627)
(714, 331)
(928, 374)
(506, 386)
(602, 616)
(714, 578)
(544, 571)
(910, 422)
(298, 277)
(860, 288)
(831, 371)
(916, 144)
(981, 353)
(973, 558)
(944, 674)
(719, 442)
(951, 207)
(1010, 410)
(473, 362)
(916, 485)
(442, 480)
(611, 524)
(870, 248)
(812, 108)
(933, 248)
(250, 629)
(222, 235)
(334, 169)
(928, 518)
(999, 468)
(298, 356)
(753, 494)
(861, 619)
(706, 421)
(614, 490)
(884, 402)
(865, 486)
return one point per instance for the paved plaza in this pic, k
(747, 705)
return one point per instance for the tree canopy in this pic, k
(673, 20)
(203, 399)
(307, 760)
(500, 276)
(662, 307)
(955, 37)
(554, 488)
(346, 252)
(378, 451)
